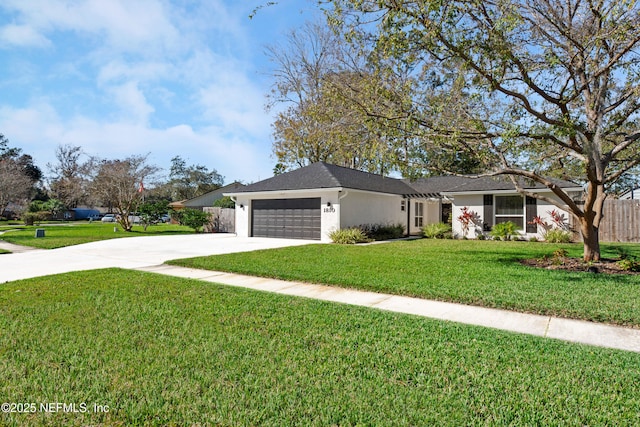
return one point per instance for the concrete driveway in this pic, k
(130, 252)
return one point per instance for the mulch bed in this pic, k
(605, 266)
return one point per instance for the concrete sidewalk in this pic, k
(578, 331)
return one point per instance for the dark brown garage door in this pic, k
(286, 218)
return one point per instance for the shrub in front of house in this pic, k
(366, 233)
(349, 236)
(192, 218)
(382, 231)
(469, 220)
(557, 235)
(504, 230)
(437, 230)
(555, 232)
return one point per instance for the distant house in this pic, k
(75, 214)
(310, 202)
(633, 193)
(83, 213)
(206, 199)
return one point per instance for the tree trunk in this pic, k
(591, 240)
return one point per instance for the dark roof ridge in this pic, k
(320, 175)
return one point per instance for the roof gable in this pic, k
(325, 175)
(210, 196)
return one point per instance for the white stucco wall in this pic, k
(360, 207)
(342, 208)
(330, 210)
(543, 211)
(243, 215)
(475, 203)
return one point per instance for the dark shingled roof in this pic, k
(324, 175)
(461, 184)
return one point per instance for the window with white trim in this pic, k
(419, 214)
(510, 208)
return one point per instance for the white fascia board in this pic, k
(531, 190)
(352, 190)
(299, 193)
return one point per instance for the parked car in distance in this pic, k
(165, 218)
(109, 218)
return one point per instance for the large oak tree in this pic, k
(544, 88)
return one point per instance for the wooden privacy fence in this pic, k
(621, 221)
(223, 220)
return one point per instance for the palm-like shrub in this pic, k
(438, 230)
(504, 230)
(348, 236)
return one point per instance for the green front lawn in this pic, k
(485, 273)
(163, 351)
(74, 233)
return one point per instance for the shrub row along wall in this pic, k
(621, 221)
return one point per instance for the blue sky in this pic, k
(122, 77)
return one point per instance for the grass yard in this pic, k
(484, 273)
(163, 351)
(74, 233)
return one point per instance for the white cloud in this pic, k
(132, 103)
(22, 36)
(118, 70)
(141, 25)
(40, 130)
(235, 102)
(162, 76)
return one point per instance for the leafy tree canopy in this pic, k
(24, 161)
(70, 176)
(533, 89)
(189, 181)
